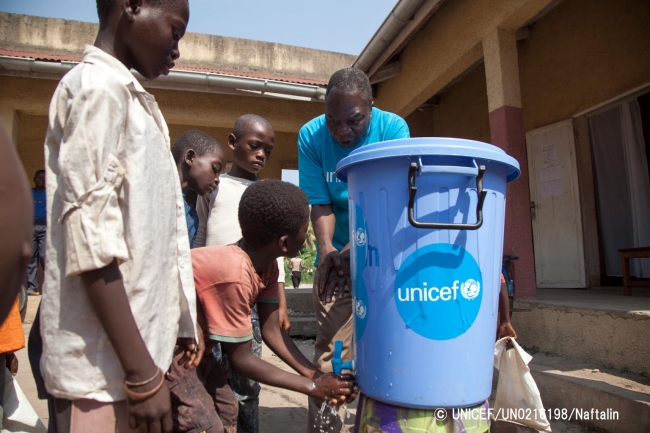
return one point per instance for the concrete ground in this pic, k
(283, 411)
(598, 298)
(24, 376)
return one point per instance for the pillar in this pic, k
(9, 118)
(507, 132)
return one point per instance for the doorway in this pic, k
(555, 207)
(620, 143)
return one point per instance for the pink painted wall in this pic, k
(507, 132)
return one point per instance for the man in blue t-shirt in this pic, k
(38, 239)
(350, 122)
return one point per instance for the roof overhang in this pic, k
(178, 79)
(403, 22)
(379, 59)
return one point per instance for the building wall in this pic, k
(420, 122)
(65, 37)
(577, 55)
(447, 45)
(462, 110)
(31, 137)
(216, 110)
(581, 54)
(23, 109)
(24, 106)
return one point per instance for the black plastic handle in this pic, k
(446, 226)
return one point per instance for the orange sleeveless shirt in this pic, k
(12, 337)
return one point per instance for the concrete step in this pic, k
(571, 388)
(299, 302)
(303, 327)
(300, 306)
(597, 326)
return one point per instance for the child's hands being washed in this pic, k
(334, 389)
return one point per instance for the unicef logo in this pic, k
(360, 309)
(360, 303)
(360, 237)
(438, 291)
(359, 241)
(470, 289)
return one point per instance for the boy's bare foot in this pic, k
(32, 293)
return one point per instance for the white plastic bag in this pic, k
(17, 414)
(517, 398)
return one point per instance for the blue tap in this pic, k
(337, 363)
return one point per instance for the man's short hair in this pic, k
(105, 8)
(350, 80)
(39, 171)
(198, 141)
(243, 122)
(269, 209)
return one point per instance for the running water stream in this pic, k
(329, 418)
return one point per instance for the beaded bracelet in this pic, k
(139, 396)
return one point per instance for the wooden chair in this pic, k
(626, 255)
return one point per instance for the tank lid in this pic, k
(428, 146)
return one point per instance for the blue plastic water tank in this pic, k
(426, 236)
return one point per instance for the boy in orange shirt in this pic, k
(12, 339)
(231, 279)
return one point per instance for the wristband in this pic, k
(139, 396)
(144, 382)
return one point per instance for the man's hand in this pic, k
(334, 275)
(193, 350)
(285, 324)
(334, 265)
(335, 389)
(506, 330)
(153, 415)
(336, 287)
(12, 363)
(329, 261)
